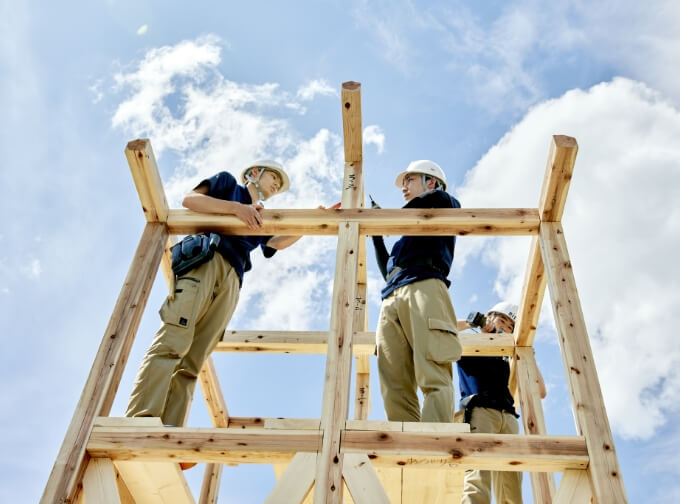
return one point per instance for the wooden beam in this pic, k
(574, 488)
(99, 483)
(362, 480)
(335, 405)
(385, 448)
(163, 444)
(411, 221)
(584, 385)
(351, 121)
(102, 382)
(363, 342)
(210, 486)
(295, 482)
(543, 484)
(212, 392)
(144, 170)
(558, 172)
(561, 159)
(493, 452)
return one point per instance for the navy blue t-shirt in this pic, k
(422, 257)
(487, 377)
(235, 249)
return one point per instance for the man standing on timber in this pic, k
(489, 408)
(417, 332)
(195, 316)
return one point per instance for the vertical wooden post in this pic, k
(584, 385)
(328, 487)
(543, 484)
(104, 377)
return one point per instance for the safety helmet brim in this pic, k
(422, 167)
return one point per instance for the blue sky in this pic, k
(214, 85)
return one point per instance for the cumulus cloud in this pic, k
(622, 225)
(310, 90)
(177, 96)
(373, 134)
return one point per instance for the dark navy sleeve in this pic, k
(381, 255)
(267, 251)
(221, 185)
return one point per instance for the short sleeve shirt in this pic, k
(236, 249)
(422, 257)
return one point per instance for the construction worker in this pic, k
(417, 333)
(195, 316)
(488, 406)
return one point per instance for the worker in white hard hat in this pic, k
(488, 406)
(417, 332)
(209, 269)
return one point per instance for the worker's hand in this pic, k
(332, 207)
(250, 215)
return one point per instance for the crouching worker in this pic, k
(488, 406)
(417, 332)
(207, 290)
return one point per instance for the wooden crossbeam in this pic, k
(494, 452)
(258, 446)
(462, 450)
(363, 342)
(584, 385)
(410, 221)
(102, 382)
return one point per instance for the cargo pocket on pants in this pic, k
(180, 311)
(442, 344)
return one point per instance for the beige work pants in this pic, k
(507, 485)
(192, 324)
(417, 341)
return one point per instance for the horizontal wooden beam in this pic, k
(416, 221)
(502, 452)
(495, 452)
(316, 342)
(255, 446)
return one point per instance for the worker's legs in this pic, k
(477, 484)
(507, 485)
(209, 329)
(395, 366)
(172, 341)
(429, 322)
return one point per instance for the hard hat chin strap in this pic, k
(256, 183)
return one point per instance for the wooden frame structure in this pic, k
(116, 460)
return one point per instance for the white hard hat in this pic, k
(425, 167)
(269, 165)
(506, 308)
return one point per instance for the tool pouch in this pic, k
(193, 251)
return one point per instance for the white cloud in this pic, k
(316, 87)
(502, 61)
(178, 98)
(32, 270)
(622, 225)
(142, 29)
(373, 134)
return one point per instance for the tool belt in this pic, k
(484, 401)
(421, 261)
(193, 251)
